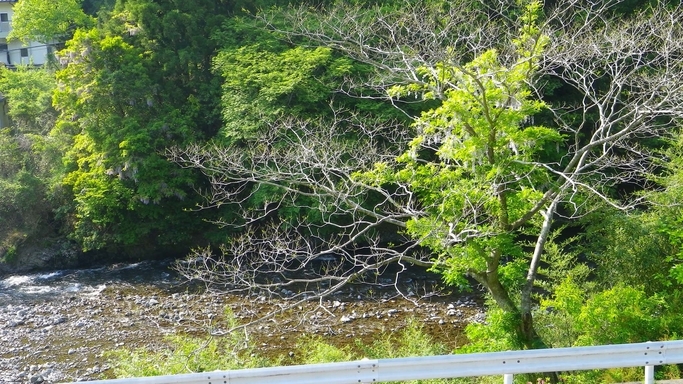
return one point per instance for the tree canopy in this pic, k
(46, 20)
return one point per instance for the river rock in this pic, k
(79, 326)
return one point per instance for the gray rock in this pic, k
(11, 324)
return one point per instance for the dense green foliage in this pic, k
(480, 161)
(139, 83)
(263, 85)
(46, 21)
(29, 157)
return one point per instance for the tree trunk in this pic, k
(529, 336)
(527, 332)
(491, 281)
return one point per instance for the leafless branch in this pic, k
(623, 80)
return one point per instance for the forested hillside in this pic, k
(529, 149)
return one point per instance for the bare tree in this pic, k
(624, 77)
(347, 230)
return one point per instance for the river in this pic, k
(55, 326)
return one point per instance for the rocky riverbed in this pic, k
(56, 327)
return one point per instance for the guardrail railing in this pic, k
(507, 364)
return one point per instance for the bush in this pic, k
(186, 354)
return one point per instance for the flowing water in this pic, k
(55, 326)
(55, 285)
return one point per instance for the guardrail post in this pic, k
(649, 374)
(507, 378)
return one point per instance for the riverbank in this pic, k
(59, 326)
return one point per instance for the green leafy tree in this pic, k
(261, 86)
(473, 167)
(135, 85)
(28, 161)
(667, 211)
(631, 248)
(108, 107)
(47, 21)
(29, 94)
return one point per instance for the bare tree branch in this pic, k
(623, 82)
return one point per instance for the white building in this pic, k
(16, 52)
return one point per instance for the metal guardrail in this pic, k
(507, 364)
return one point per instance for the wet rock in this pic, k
(14, 323)
(80, 323)
(479, 318)
(59, 320)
